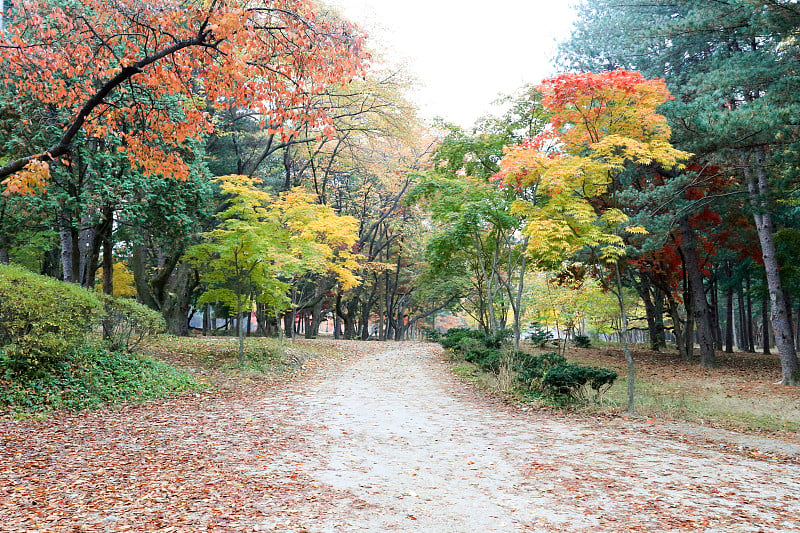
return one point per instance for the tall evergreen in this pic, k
(731, 65)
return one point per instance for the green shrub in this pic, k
(539, 337)
(496, 340)
(488, 359)
(431, 335)
(531, 369)
(42, 319)
(574, 381)
(126, 323)
(467, 344)
(452, 340)
(583, 341)
(453, 337)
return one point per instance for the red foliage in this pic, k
(146, 74)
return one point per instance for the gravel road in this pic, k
(397, 431)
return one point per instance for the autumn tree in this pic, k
(96, 68)
(478, 239)
(731, 66)
(365, 170)
(601, 125)
(264, 246)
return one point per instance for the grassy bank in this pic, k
(216, 357)
(93, 377)
(742, 392)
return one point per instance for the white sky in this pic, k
(464, 53)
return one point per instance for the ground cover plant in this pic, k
(547, 374)
(92, 377)
(742, 392)
(264, 358)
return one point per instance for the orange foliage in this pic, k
(589, 106)
(146, 73)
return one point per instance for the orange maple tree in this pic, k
(146, 73)
(601, 123)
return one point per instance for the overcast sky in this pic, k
(464, 53)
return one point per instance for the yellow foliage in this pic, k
(122, 277)
(602, 123)
(35, 175)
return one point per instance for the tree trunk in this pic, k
(337, 316)
(658, 304)
(363, 321)
(751, 344)
(108, 251)
(138, 264)
(653, 314)
(688, 335)
(765, 325)
(715, 329)
(89, 245)
(758, 188)
(677, 329)
(517, 305)
(239, 329)
(288, 324)
(702, 313)
(742, 327)
(623, 341)
(206, 319)
(312, 331)
(68, 245)
(177, 302)
(728, 311)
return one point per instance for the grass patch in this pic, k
(740, 394)
(91, 378)
(219, 355)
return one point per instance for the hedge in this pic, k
(42, 319)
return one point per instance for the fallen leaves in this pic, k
(243, 460)
(211, 461)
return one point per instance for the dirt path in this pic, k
(400, 434)
(386, 440)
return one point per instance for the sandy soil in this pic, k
(396, 430)
(383, 439)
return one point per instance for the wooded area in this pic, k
(213, 158)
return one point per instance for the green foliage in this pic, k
(431, 335)
(575, 381)
(569, 297)
(476, 346)
(127, 323)
(547, 373)
(42, 319)
(531, 368)
(94, 377)
(497, 339)
(583, 341)
(476, 246)
(539, 337)
(551, 374)
(453, 337)
(488, 359)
